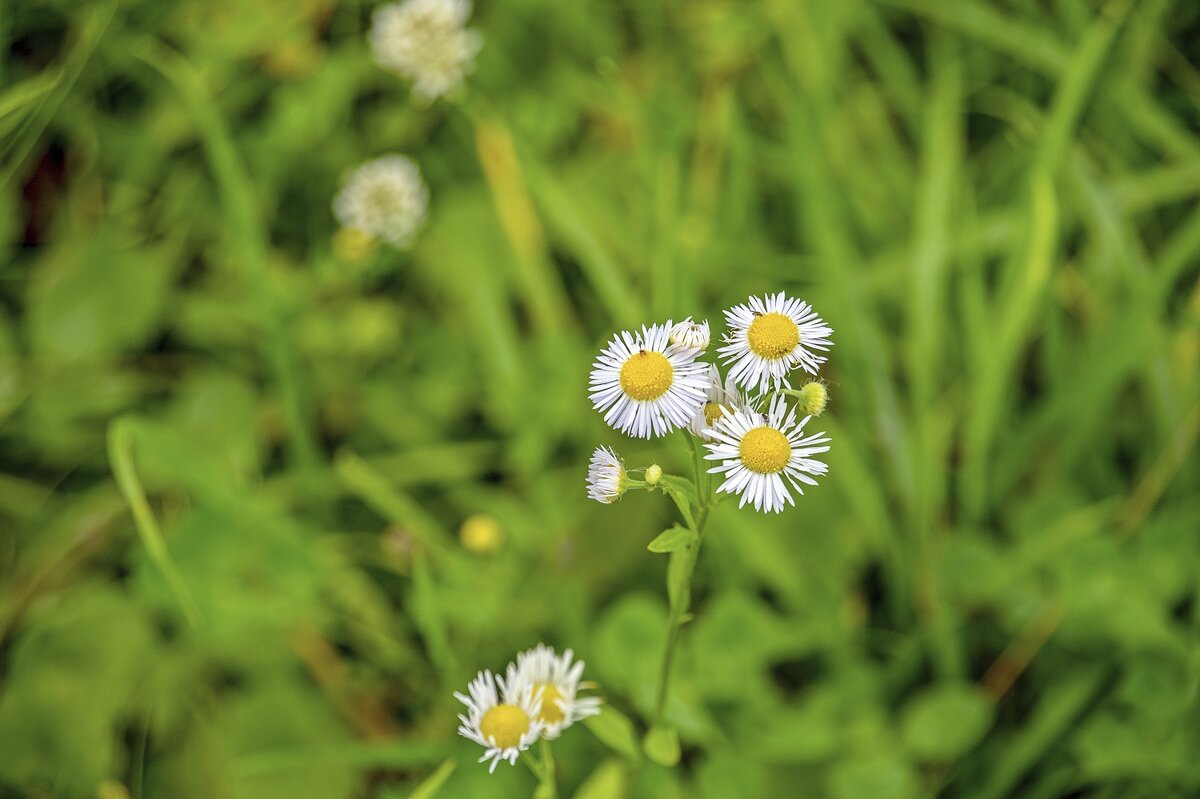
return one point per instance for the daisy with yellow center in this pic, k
(607, 478)
(719, 399)
(769, 337)
(645, 385)
(761, 455)
(504, 728)
(556, 680)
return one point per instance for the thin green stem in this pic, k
(687, 563)
(547, 789)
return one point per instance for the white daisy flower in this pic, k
(607, 478)
(425, 41)
(760, 455)
(385, 198)
(693, 335)
(646, 386)
(556, 680)
(719, 399)
(769, 336)
(505, 729)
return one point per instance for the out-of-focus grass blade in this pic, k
(434, 782)
(1057, 709)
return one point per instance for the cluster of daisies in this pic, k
(537, 697)
(427, 43)
(651, 382)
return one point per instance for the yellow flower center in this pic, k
(712, 412)
(646, 375)
(765, 450)
(772, 335)
(551, 712)
(504, 725)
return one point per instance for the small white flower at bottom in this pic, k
(760, 455)
(556, 680)
(606, 478)
(385, 198)
(505, 729)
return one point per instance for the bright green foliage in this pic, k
(235, 450)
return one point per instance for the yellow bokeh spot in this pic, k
(772, 335)
(352, 245)
(646, 375)
(481, 534)
(504, 725)
(765, 450)
(551, 712)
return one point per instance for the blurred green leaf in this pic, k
(946, 721)
(661, 745)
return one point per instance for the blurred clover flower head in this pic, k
(425, 41)
(385, 198)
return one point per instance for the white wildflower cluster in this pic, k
(651, 382)
(426, 42)
(536, 697)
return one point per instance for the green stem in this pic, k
(689, 556)
(547, 789)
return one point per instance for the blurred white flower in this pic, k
(505, 729)
(757, 451)
(425, 41)
(556, 680)
(693, 335)
(644, 385)
(769, 337)
(385, 198)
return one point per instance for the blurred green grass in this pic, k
(993, 204)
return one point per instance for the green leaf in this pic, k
(673, 539)
(879, 777)
(606, 782)
(433, 783)
(683, 493)
(679, 578)
(661, 745)
(946, 721)
(614, 729)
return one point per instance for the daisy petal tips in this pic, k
(646, 386)
(769, 337)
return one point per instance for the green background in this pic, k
(993, 593)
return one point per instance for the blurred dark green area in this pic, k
(994, 204)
